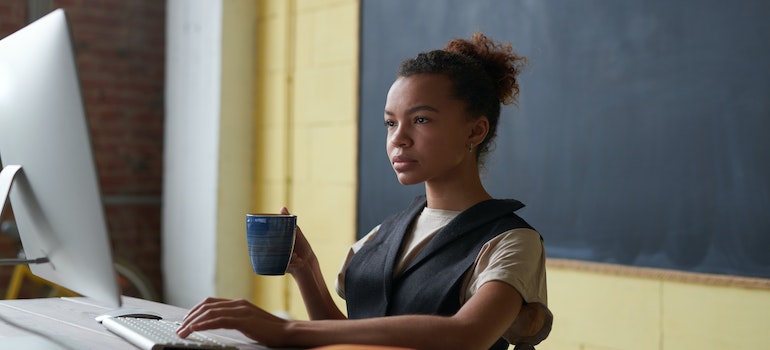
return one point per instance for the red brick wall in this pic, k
(119, 48)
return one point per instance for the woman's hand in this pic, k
(241, 315)
(306, 271)
(303, 256)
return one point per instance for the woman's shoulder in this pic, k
(515, 237)
(366, 238)
(513, 256)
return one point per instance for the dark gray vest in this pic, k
(431, 283)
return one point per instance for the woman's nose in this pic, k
(399, 136)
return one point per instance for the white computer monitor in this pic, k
(55, 195)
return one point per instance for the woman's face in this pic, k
(429, 132)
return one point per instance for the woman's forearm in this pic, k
(477, 325)
(413, 331)
(315, 294)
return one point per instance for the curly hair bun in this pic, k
(499, 61)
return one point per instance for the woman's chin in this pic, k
(407, 180)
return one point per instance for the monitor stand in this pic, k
(7, 175)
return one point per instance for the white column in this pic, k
(191, 149)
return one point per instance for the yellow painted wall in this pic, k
(306, 125)
(608, 307)
(305, 157)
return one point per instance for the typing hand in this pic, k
(240, 315)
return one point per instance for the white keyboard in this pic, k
(153, 334)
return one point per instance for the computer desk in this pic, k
(71, 321)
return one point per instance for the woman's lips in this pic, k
(401, 163)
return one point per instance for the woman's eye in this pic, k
(390, 123)
(420, 120)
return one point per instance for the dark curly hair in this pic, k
(483, 72)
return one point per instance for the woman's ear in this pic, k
(479, 130)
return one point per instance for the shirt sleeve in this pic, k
(339, 285)
(516, 257)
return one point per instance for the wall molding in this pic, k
(660, 274)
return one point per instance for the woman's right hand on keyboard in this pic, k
(241, 315)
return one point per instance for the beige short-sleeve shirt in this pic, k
(516, 257)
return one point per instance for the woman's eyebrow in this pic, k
(415, 109)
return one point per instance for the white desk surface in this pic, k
(71, 320)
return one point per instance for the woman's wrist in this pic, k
(291, 331)
(305, 269)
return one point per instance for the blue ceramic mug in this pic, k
(271, 241)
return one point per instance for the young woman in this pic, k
(457, 269)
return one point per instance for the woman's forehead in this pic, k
(419, 89)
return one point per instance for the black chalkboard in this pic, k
(642, 135)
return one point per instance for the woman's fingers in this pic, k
(302, 252)
(239, 315)
(204, 311)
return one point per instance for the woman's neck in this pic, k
(456, 196)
